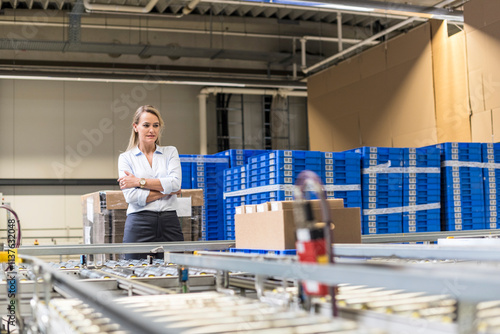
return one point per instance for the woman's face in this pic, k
(148, 128)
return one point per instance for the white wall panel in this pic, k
(180, 111)
(38, 128)
(88, 128)
(6, 128)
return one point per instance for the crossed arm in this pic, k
(154, 186)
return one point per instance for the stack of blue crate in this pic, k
(462, 196)
(208, 174)
(186, 166)
(422, 190)
(235, 180)
(491, 176)
(342, 177)
(382, 189)
(239, 157)
(271, 175)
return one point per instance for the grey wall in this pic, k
(54, 129)
(63, 129)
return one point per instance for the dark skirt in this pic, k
(150, 226)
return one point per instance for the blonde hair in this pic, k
(134, 136)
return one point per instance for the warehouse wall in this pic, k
(54, 129)
(58, 130)
(482, 28)
(445, 89)
(382, 97)
(451, 96)
(65, 130)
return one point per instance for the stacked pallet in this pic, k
(187, 170)
(491, 175)
(208, 174)
(462, 195)
(235, 179)
(382, 189)
(341, 175)
(421, 190)
(271, 175)
(239, 157)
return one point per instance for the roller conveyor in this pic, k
(115, 296)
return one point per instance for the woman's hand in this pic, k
(175, 193)
(128, 181)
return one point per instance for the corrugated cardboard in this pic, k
(482, 24)
(474, 15)
(409, 46)
(319, 124)
(276, 229)
(195, 194)
(250, 209)
(490, 69)
(114, 199)
(372, 61)
(263, 207)
(411, 91)
(481, 127)
(450, 84)
(410, 112)
(346, 133)
(495, 114)
(475, 60)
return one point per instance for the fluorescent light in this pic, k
(342, 7)
(161, 82)
(136, 81)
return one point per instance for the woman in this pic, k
(150, 178)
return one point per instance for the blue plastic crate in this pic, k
(373, 156)
(422, 157)
(433, 227)
(381, 230)
(423, 178)
(423, 215)
(469, 225)
(490, 152)
(385, 220)
(263, 251)
(460, 151)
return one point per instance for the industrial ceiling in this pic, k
(264, 43)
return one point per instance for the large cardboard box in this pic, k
(275, 229)
(104, 215)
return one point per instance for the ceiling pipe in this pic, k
(205, 92)
(188, 31)
(290, 5)
(114, 9)
(367, 41)
(361, 7)
(357, 46)
(339, 31)
(190, 7)
(95, 7)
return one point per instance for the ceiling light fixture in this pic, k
(160, 82)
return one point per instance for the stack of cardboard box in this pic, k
(105, 212)
(272, 225)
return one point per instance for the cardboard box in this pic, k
(195, 194)
(250, 209)
(275, 230)
(114, 199)
(104, 216)
(263, 207)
